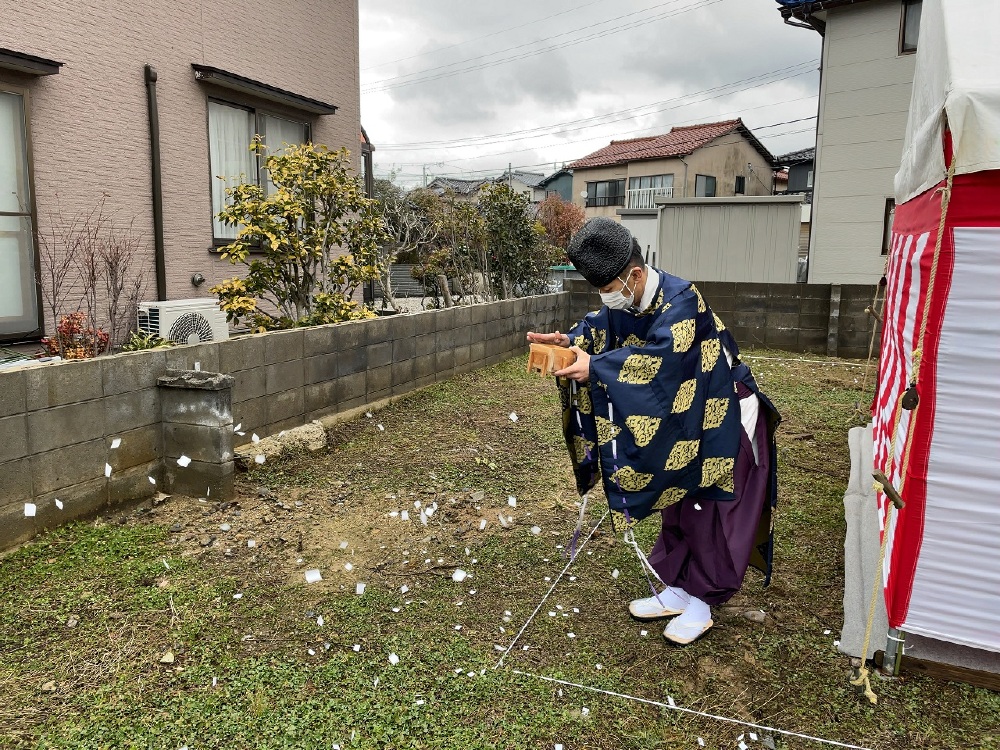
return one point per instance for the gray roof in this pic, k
(795, 157)
(461, 187)
(531, 179)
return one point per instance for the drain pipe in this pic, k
(159, 252)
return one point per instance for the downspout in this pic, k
(159, 253)
(684, 191)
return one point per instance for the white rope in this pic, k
(551, 589)
(807, 361)
(692, 711)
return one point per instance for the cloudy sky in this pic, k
(465, 87)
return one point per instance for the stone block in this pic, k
(320, 397)
(466, 315)
(284, 376)
(140, 447)
(250, 383)
(286, 405)
(210, 408)
(133, 371)
(197, 442)
(785, 303)
(403, 349)
(463, 355)
(127, 411)
(69, 465)
(402, 373)
(15, 482)
(79, 501)
(350, 387)
(494, 346)
(241, 353)
(350, 335)
(13, 398)
(445, 319)
(194, 356)
(380, 354)
(353, 403)
(64, 425)
(782, 338)
(812, 341)
(405, 387)
(424, 382)
(378, 379)
(462, 336)
(319, 340)
(815, 305)
(251, 415)
(130, 486)
(444, 360)
(14, 437)
(320, 368)
(352, 360)
(377, 330)
(814, 321)
(284, 346)
(477, 351)
(480, 332)
(63, 383)
(424, 344)
(197, 479)
(785, 320)
(424, 366)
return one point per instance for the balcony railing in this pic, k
(645, 197)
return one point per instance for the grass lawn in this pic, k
(190, 623)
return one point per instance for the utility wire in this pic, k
(377, 86)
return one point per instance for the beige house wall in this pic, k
(724, 158)
(89, 122)
(864, 101)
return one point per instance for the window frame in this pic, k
(888, 219)
(617, 199)
(715, 186)
(650, 177)
(32, 216)
(905, 7)
(259, 115)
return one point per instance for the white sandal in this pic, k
(650, 608)
(683, 633)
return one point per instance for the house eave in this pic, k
(20, 62)
(803, 16)
(233, 82)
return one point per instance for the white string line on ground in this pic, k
(551, 589)
(807, 361)
(749, 724)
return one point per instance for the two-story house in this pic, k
(142, 106)
(712, 159)
(864, 100)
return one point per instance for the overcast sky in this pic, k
(465, 87)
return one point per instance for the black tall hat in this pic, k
(601, 250)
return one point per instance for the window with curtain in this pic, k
(606, 193)
(231, 129)
(651, 181)
(704, 186)
(911, 25)
(19, 309)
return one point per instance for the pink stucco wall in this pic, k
(89, 122)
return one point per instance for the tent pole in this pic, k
(893, 650)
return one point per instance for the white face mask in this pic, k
(617, 300)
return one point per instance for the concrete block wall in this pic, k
(807, 318)
(58, 421)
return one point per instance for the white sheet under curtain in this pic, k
(277, 134)
(230, 130)
(17, 303)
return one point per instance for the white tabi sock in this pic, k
(695, 612)
(673, 598)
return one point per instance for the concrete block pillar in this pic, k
(198, 424)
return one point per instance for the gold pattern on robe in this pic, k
(683, 333)
(683, 453)
(654, 305)
(710, 351)
(606, 430)
(580, 447)
(666, 307)
(631, 480)
(643, 428)
(583, 402)
(639, 369)
(684, 397)
(633, 340)
(717, 471)
(718, 322)
(715, 412)
(669, 496)
(600, 340)
(582, 342)
(702, 307)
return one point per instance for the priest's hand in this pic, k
(558, 339)
(579, 370)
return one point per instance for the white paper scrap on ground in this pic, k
(343, 545)
(381, 428)
(255, 438)
(238, 427)
(183, 462)
(320, 621)
(753, 736)
(348, 567)
(405, 515)
(615, 573)
(503, 521)
(511, 501)
(368, 414)
(59, 503)
(482, 524)
(393, 659)
(701, 742)
(237, 596)
(151, 480)
(513, 417)
(571, 635)
(251, 543)
(225, 527)
(459, 575)
(536, 530)
(115, 443)
(403, 589)
(260, 459)
(697, 506)
(107, 470)
(356, 647)
(643, 633)
(29, 510)
(360, 588)
(313, 575)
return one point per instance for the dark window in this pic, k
(231, 129)
(890, 216)
(606, 193)
(651, 181)
(704, 186)
(20, 313)
(910, 27)
(741, 185)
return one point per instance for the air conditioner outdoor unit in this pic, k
(186, 321)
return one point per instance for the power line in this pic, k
(627, 27)
(574, 9)
(510, 136)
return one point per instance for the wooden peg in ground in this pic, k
(546, 359)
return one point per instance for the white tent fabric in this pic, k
(957, 78)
